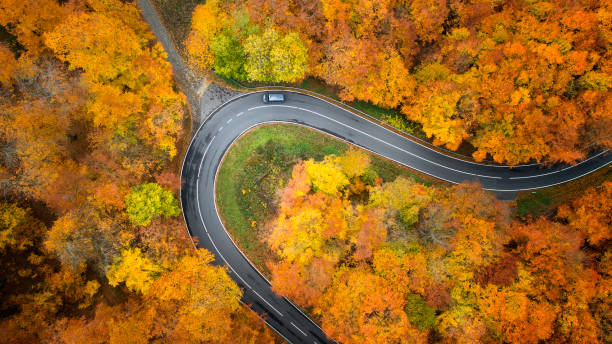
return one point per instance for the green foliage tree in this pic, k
(229, 55)
(519, 83)
(150, 200)
(258, 48)
(419, 313)
(89, 108)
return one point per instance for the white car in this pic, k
(269, 97)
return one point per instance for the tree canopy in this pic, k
(91, 246)
(520, 81)
(149, 200)
(401, 261)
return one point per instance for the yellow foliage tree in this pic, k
(28, 19)
(440, 119)
(326, 176)
(9, 64)
(300, 232)
(402, 196)
(194, 301)
(361, 307)
(18, 228)
(135, 269)
(591, 214)
(354, 162)
(206, 22)
(131, 81)
(99, 53)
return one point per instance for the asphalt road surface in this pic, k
(230, 121)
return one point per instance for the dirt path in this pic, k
(203, 96)
(184, 76)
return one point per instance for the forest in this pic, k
(519, 80)
(403, 262)
(93, 129)
(92, 245)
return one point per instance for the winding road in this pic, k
(222, 127)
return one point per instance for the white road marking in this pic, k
(241, 113)
(299, 329)
(400, 149)
(549, 185)
(220, 129)
(343, 140)
(371, 119)
(563, 169)
(224, 260)
(219, 218)
(409, 166)
(266, 301)
(449, 168)
(306, 316)
(425, 146)
(275, 330)
(229, 120)
(201, 161)
(202, 219)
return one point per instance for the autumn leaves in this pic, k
(402, 262)
(520, 82)
(240, 50)
(91, 243)
(131, 82)
(325, 234)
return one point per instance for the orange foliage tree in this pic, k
(591, 214)
(397, 261)
(85, 116)
(520, 82)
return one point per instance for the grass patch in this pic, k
(544, 202)
(373, 110)
(256, 166)
(259, 164)
(388, 170)
(534, 203)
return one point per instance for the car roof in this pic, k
(276, 96)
